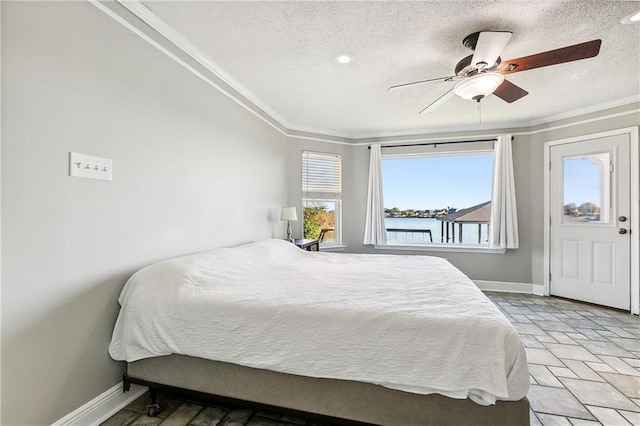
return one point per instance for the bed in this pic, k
(377, 339)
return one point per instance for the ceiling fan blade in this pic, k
(576, 52)
(509, 92)
(489, 47)
(433, 80)
(436, 104)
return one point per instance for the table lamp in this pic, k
(289, 214)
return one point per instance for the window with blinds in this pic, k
(321, 173)
(321, 193)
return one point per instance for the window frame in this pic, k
(436, 150)
(337, 218)
(330, 194)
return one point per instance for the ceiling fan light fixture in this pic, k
(479, 85)
(632, 18)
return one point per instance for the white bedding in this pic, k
(413, 323)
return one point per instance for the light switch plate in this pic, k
(88, 166)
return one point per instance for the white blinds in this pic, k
(321, 174)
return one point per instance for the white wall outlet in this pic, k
(88, 166)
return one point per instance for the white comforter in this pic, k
(413, 323)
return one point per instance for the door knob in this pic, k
(622, 218)
(622, 231)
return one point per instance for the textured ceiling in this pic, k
(282, 55)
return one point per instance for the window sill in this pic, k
(441, 248)
(333, 248)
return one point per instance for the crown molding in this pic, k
(426, 138)
(525, 130)
(319, 137)
(520, 125)
(440, 130)
(579, 122)
(211, 72)
(586, 110)
(217, 77)
(152, 20)
(126, 18)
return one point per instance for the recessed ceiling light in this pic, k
(344, 58)
(632, 18)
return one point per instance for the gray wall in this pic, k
(523, 265)
(192, 171)
(514, 266)
(611, 119)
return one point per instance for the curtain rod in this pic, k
(438, 143)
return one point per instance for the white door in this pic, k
(590, 240)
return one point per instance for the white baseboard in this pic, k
(102, 406)
(505, 286)
(538, 290)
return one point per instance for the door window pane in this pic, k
(586, 188)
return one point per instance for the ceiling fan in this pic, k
(482, 73)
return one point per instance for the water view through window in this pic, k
(438, 199)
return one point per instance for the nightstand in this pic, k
(309, 245)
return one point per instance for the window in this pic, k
(586, 184)
(438, 194)
(321, 197)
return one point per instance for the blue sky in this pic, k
(582, 180)
(464, 181)
(437, 182)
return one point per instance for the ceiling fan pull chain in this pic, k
(479, 113)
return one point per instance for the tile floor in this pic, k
(584, 363)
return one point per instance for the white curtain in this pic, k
(504, 221)
(375, 231)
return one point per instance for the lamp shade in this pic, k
(480, 85)
(288, 213)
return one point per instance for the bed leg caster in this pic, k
(153, 409)
(126, 383)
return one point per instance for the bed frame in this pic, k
(349, 401)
